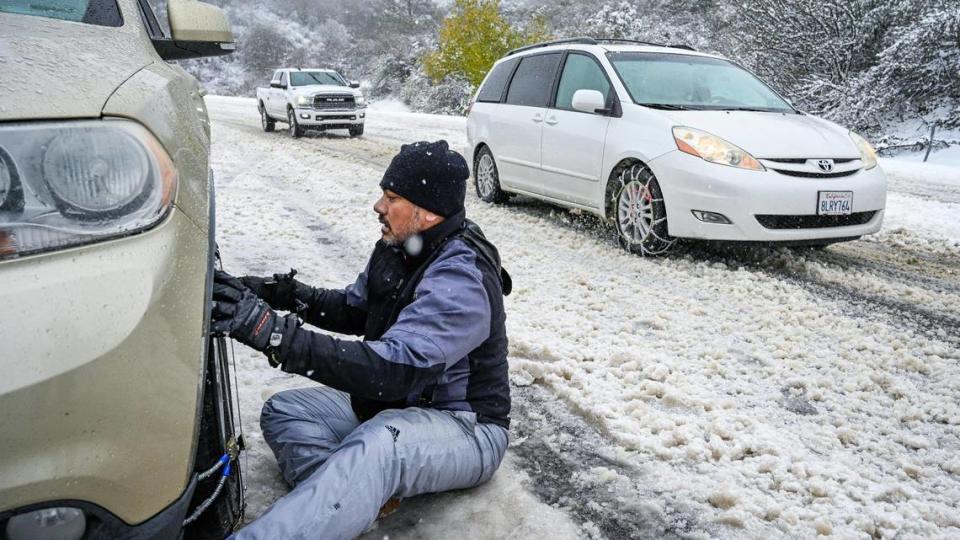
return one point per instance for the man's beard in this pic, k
(397, 238)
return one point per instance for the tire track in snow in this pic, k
(556, 446)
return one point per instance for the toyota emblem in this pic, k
(826, 165)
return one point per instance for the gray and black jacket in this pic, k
(433, 327)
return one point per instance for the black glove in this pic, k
(239, 313)
(280, 291)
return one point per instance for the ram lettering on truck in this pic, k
(311, 99)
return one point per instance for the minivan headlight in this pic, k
(867, 154)
(74, 183)
(713, 149)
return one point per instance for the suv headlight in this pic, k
(867, 154)
(713, 149)
(74, 183)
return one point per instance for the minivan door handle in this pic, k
(552, 120)
(538, 117)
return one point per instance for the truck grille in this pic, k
(814, 222)
(337, 101)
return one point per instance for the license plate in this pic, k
(834, 203)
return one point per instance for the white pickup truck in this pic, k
(311, 99)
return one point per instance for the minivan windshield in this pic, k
(682, 81)
(306, 78)
(99, 12)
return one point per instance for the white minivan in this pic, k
(668, 143)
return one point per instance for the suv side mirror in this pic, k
(354, 84)
(197, 30)
(589, 101)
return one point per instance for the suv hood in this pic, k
(773, 135)
(325, 89)
(57, 69)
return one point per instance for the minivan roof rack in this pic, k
(638, 42)
(596, 41)
(581, 40)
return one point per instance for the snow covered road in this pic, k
(708, 394)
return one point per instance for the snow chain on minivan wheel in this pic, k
(487, 178)
(639, 212)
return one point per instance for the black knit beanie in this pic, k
(429, 175)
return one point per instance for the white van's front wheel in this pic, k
(640, 214)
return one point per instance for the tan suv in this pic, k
(116, 416)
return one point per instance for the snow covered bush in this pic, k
(449, 96)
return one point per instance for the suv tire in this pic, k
(639, 212)
(487, 178)
(356, 131)
(295, 130)
(266, 122)
(218, 425)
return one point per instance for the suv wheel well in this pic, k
(610, 192)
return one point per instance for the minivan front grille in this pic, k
(805, 174)
(337, 101)
(814, 222)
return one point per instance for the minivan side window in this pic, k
(492, 90)
(532, 84)
(580, 72)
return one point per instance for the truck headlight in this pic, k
(75, 183)
(359, 101)
(867, 154)
(304, 100)
(713, 149)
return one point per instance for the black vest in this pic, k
(392, 280)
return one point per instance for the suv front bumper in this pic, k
(102, 353)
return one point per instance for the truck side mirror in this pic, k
(354, 84)
(274, 84)
(197, 30)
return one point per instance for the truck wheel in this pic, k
(265, 120)
(356, 131)
(295, 130)
(219, 435)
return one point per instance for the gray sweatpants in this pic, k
(343, 471)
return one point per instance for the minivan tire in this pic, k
(266, 122)
(487, 179)
(639, 212)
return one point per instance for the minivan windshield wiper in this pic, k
(752, 109)
(666, 106)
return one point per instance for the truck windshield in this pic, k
(99, 12)
(304, 78)
(680, 81)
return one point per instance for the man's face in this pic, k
(401, 219)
